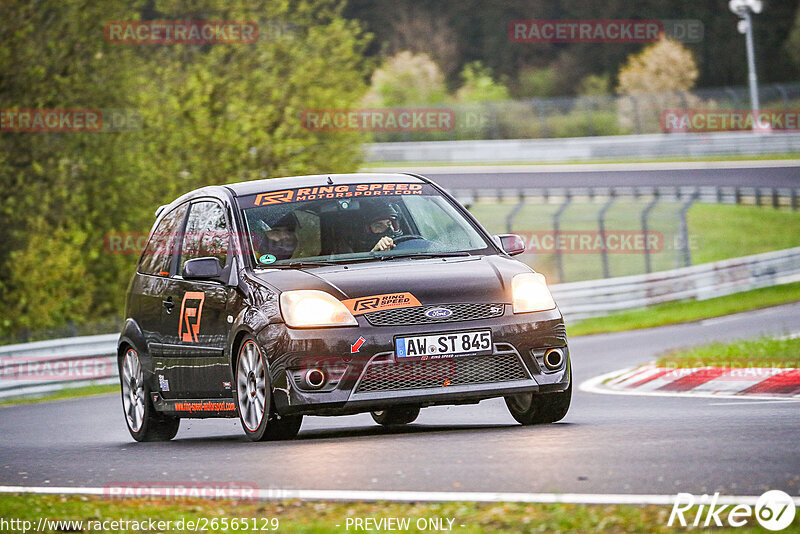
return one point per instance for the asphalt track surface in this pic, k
(606, 444)
(744, 174)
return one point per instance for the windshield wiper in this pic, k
(425, 255)
(301, 264)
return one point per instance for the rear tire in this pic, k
(396, 415)
(540, 408)
(254, 398)
(143, 421)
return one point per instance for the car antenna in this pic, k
(330, 182)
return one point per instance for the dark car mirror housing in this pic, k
(512, 244)
(202, 269)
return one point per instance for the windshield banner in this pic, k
(335, 191)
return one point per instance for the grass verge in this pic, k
(323, 517)
(726, 231)
(761, 352)
(716, 232)
(687, 311)
(69, 393)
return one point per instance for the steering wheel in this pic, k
(408, 237)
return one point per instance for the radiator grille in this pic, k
(394, 376)
(416, 315)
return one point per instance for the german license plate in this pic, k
(444, 345)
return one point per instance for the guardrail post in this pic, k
(645, 213)
(794, 199)
(758, 196)
(601, 225)
(637, 120)
(784, 96)
(775, 201)
(684, 228)
(738, 195)
(514, 211)
(556, 229)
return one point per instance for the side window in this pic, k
(206, 233)
(155, 259)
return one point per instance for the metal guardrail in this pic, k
(45, 366)
(576, 149)
(579, 300)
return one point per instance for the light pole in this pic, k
(745, 9)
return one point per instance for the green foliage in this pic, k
(578, 123)
(663, 66)
(478, 85)
(538, 83)
(595, 85)
(759, 352)
(407, 79)
(687, 311)
(792, 45)
(478, 30)
(211, 114)
(664, 72)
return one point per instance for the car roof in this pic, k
(276, 184)
(253, 187)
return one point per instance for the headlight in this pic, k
(530, 293)
(309, 308)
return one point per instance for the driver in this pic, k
(280, 239)
(380, 227)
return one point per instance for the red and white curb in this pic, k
(735, 382)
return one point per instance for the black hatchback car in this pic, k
(331, 295)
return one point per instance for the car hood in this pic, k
(432, 281)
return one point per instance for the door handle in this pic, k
(168, 304)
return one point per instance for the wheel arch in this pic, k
(133, 337)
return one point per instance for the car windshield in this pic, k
(356, 222)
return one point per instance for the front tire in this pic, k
(397, 415)
(143, 421)
(540, 408)
(254, 398)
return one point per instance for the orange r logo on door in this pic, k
(191, 309)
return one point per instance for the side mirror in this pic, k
(202, 269)
(511, 243)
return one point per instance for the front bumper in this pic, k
(373, 378)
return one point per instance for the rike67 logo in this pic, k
(191, 310)
(774, 510)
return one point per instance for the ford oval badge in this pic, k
(438, 313)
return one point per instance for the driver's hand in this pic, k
(386, 243)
